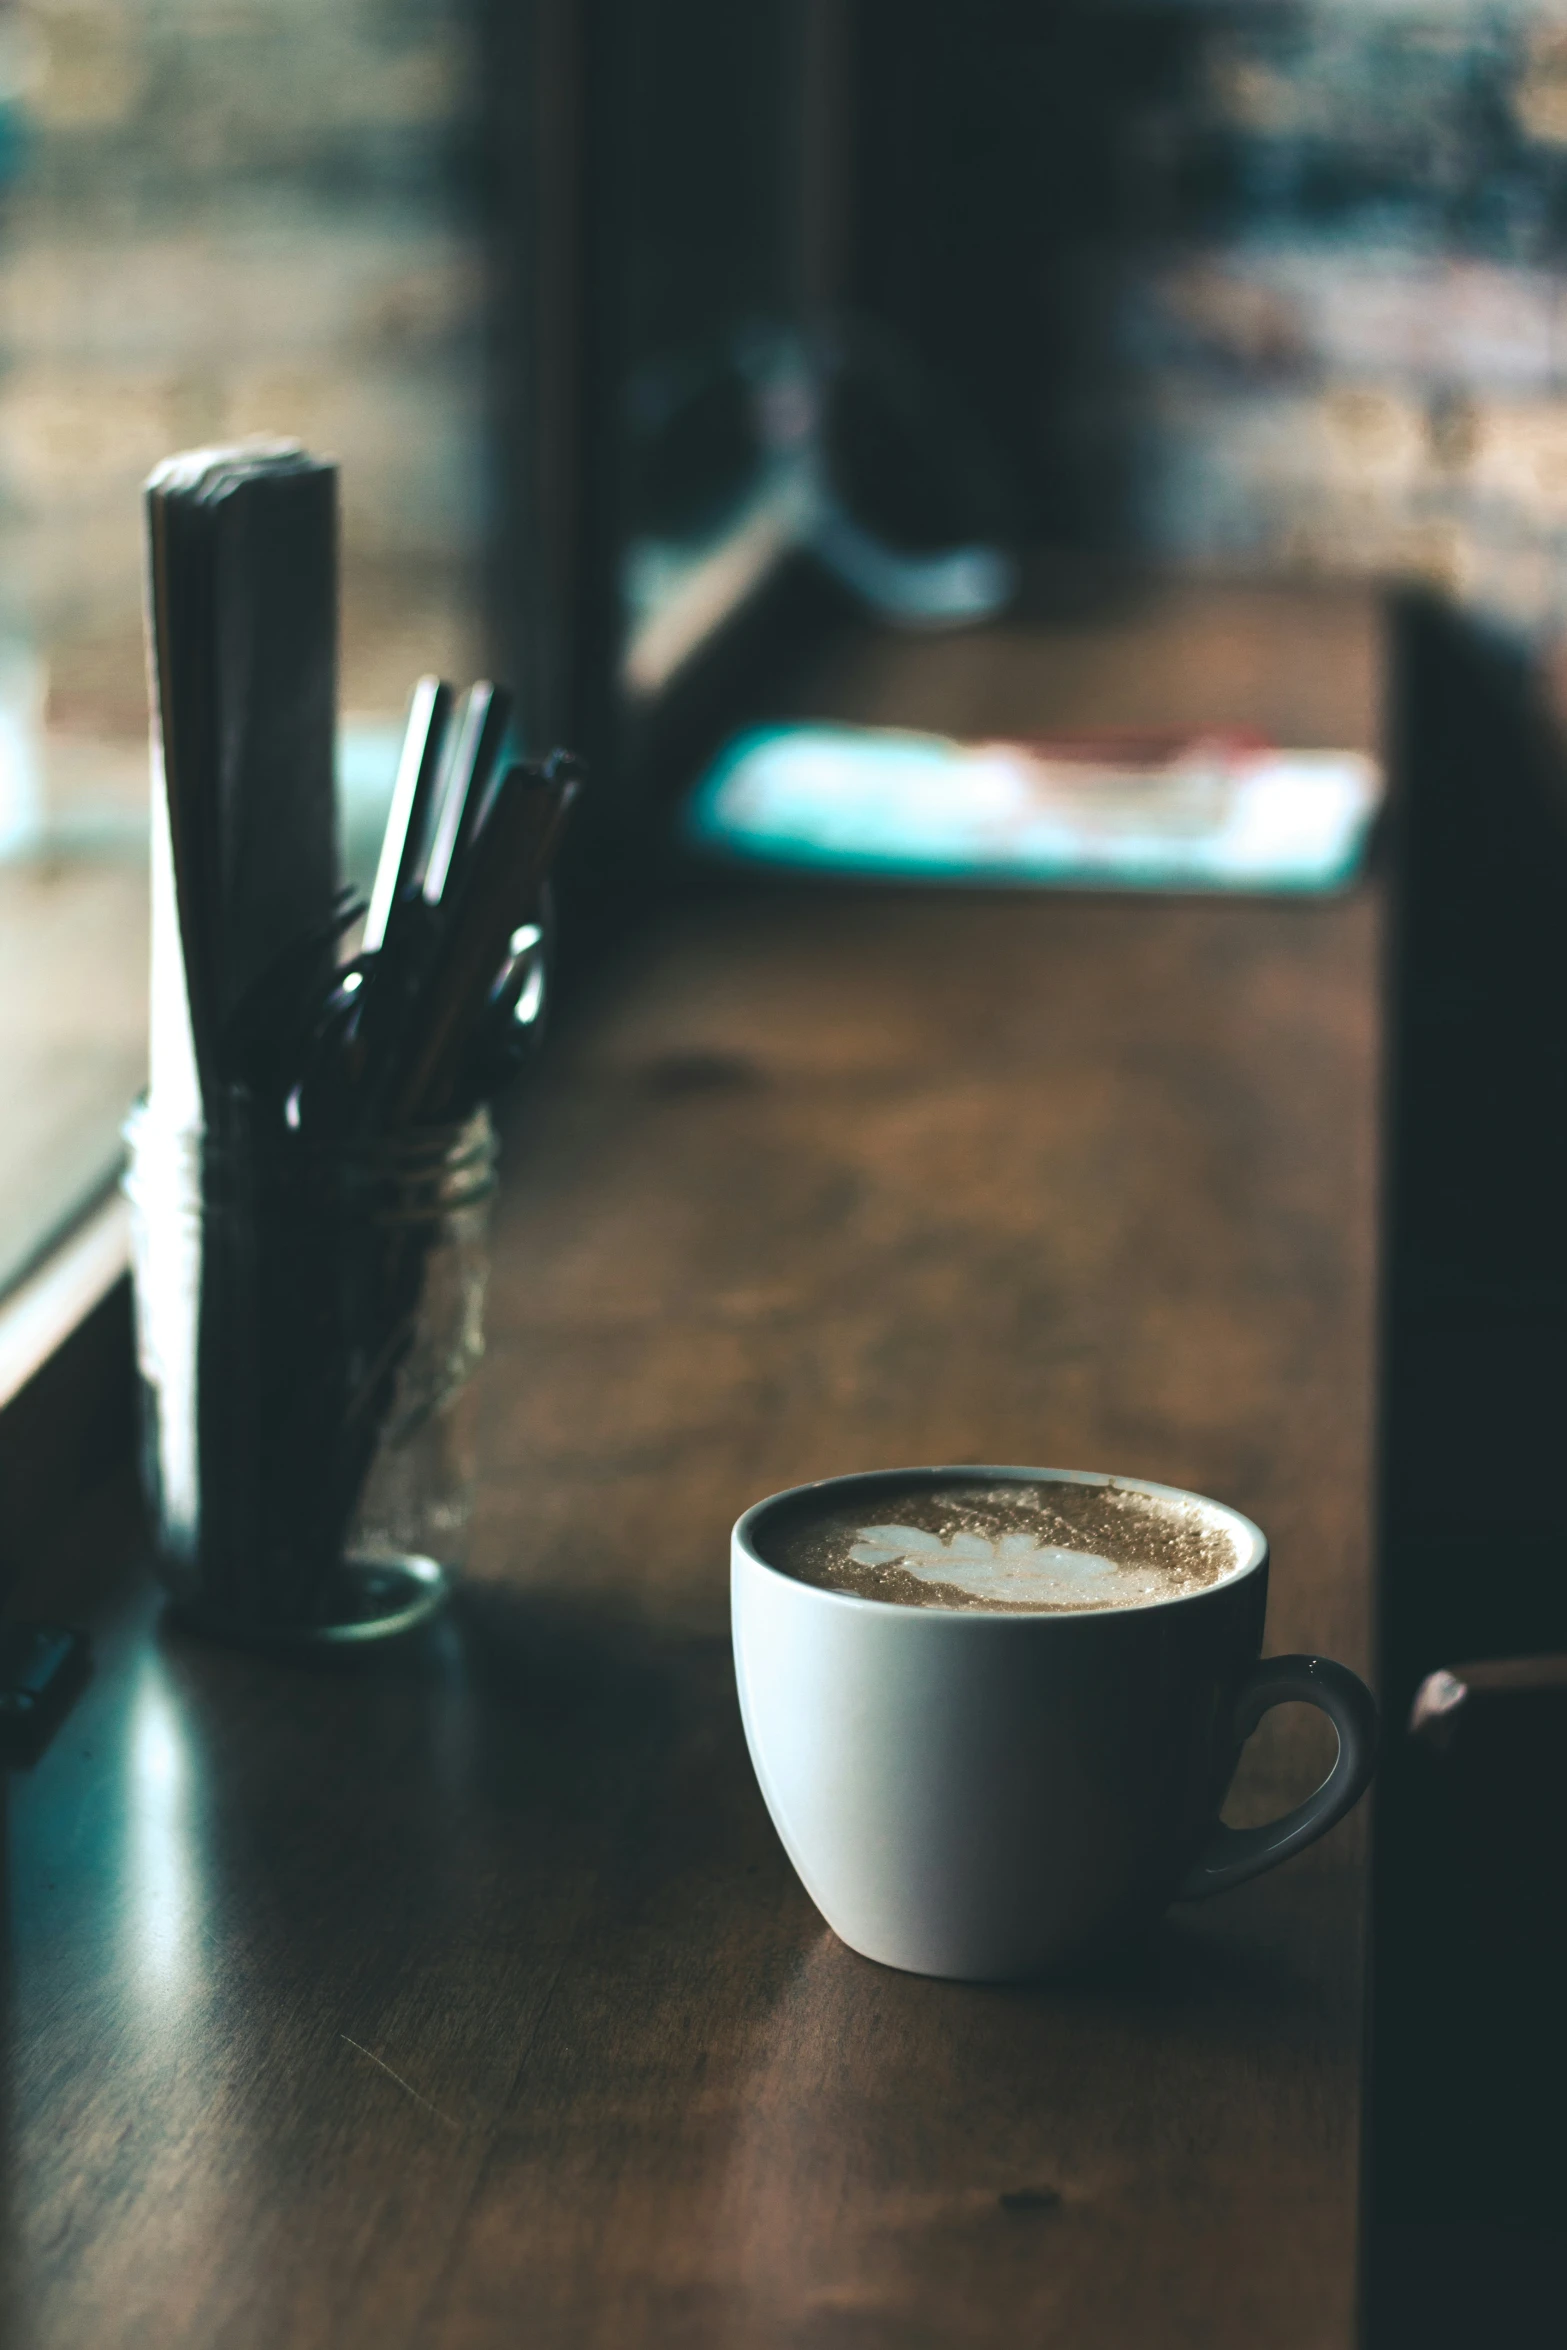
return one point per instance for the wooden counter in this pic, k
(462, 1996)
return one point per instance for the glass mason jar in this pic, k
(308, 1322)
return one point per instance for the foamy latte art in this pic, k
(1014, 1567)
(1006, 1543)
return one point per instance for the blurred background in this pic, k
(658, 341)
(707, 369)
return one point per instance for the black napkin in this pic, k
(243, 629)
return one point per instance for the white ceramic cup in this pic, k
(990, 1796)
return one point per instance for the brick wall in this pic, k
(232, 216)
(1255, 284)
(1342, 335)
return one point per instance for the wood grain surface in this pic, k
(462, 1995)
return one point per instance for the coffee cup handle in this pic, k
(1234, 1854)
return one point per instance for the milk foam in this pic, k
(1056, 1545)
(1013, 1568)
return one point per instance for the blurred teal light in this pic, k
(915, 807)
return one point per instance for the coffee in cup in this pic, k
(994, 1712)
(1005, 1545)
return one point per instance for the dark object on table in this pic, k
(1483, 1788)
(435, 1012)
(1466, 1704)
(465, 785)
(41, 1669)
(469, 964)
(310, 1170)
(407, 822)
(1466, 2160)
(242, 585)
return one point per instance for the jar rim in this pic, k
(143, 1124)
(462, 1151)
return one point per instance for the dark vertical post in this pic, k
(531, 63)
(1466, 2159)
